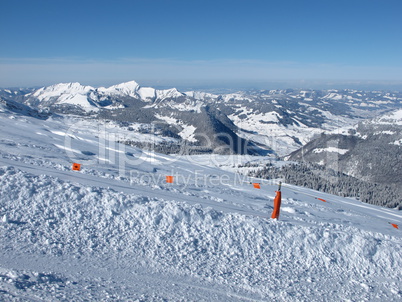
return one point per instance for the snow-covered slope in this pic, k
(371, 150)
(117, 231)
(129, 88)
(392, 118)
(66, 93)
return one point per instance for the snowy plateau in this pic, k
(117, 231)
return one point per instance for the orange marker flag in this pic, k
(256, 185)
(321, 199)
(394, 225)
(169, 179)
(277, 203)
(76, 167)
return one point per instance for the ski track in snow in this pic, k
(99, 234)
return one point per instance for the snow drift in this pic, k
(49, 216)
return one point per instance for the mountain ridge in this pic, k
(279, 120)
(370, 151)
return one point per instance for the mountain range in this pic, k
(370, 151)
(355, 132)
(274, 122)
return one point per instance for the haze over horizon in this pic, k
(203, 44)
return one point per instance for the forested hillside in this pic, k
(319, 178)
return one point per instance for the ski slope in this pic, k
(116, 231)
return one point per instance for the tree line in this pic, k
(319, 178)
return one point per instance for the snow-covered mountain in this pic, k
(67, 93)
(393, 118)
(133, 89)
(116, 231)
(371, 150)
(262, 122)
(89, 98)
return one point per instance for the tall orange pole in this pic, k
(277, 203)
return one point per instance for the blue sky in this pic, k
(200, 42)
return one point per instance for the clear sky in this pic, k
(200, 42)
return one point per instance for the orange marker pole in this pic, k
(277, 203)
(169, 179)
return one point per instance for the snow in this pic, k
(79, 100)
(330, 149)
(188, 105)
(392, 118)
(168, 119)
(199, 95)
(358, 134)
(46, 93)
(168, 93)
(67, 93)
(127, 88)
(266, 129)
(147, 93)
(133, 89)
(188, 133)
(88, 97)
(388, 132)
(334, 96)
(188, 130)
(115, 231)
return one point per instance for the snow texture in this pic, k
(330, 149)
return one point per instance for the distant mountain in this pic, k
(371, 151)
(88, 98)
(274, 122)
